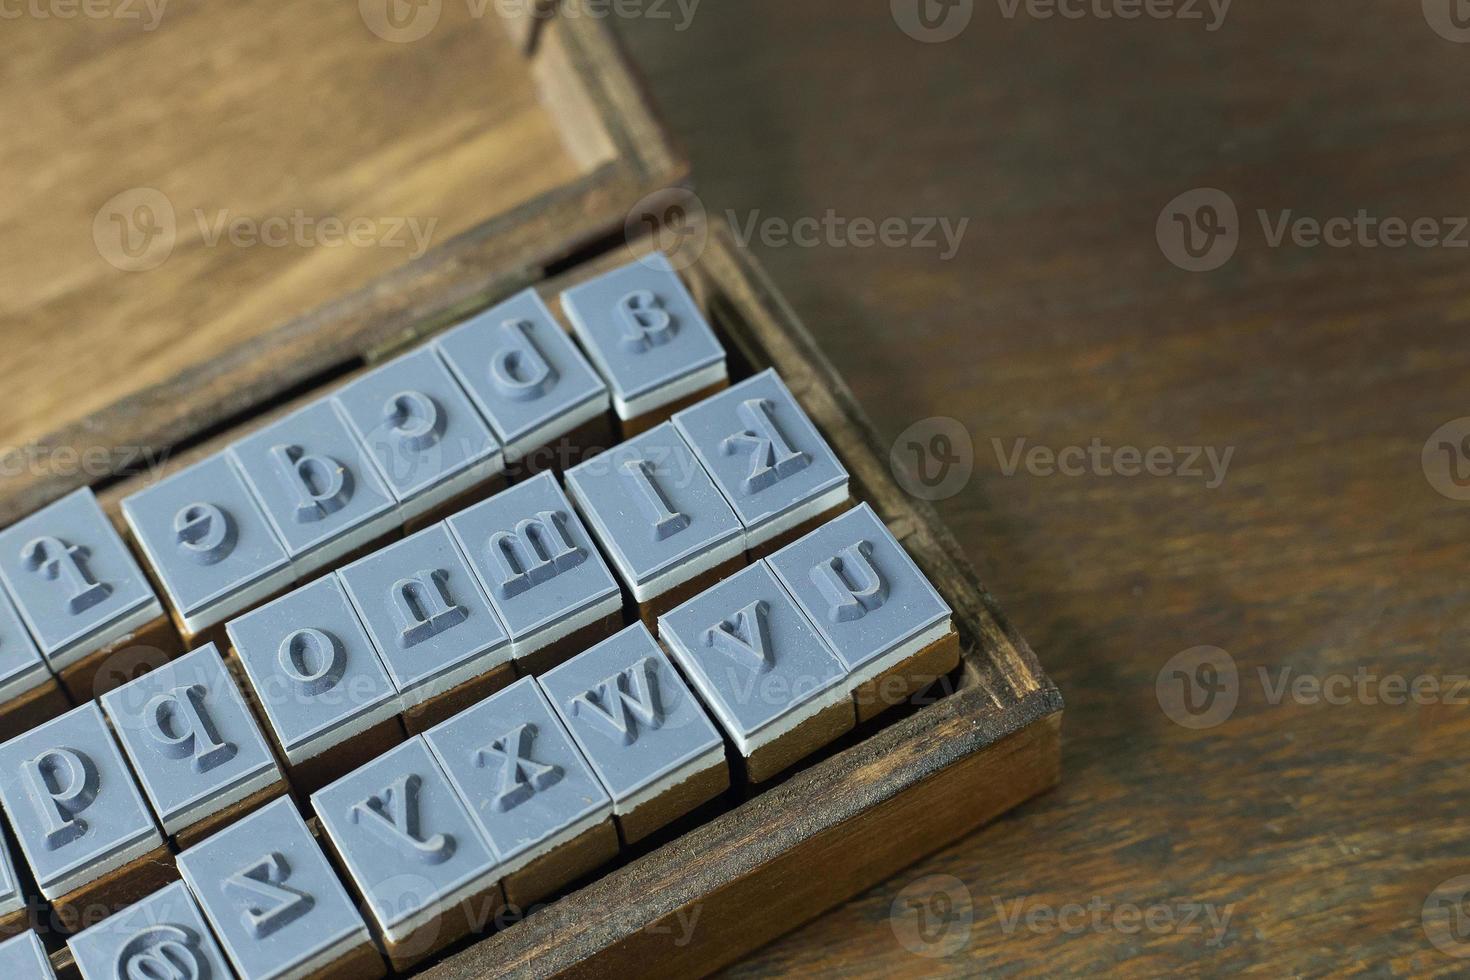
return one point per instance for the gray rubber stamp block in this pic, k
(316, 484)
(313, 668)
(765, 455)
(427, 616)
(656, 511)
(271, 897)
(426, 439)
(754, 657)
(863, 591)
(164, 937)
(191, 739)
(537, 563)
(633, 717)
(24, 957)
(72, 802)
(73, 580)
(22, 668)
(406, 838)
(208, 542)
(645, 334)
(524, 781)
(524, 372)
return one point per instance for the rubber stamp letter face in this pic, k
(422, 434)
(407, 841)
(73, 802)
(162, 937)
(521, 778)
(316, 484)
(74, 582)
(208, 542)
(270, 896)
(646, 335)
(765, 455)
(194, 745)
(524, 374)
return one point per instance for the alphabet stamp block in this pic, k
(426, 875)
(436, 633)
(274, 903)
(197, 750)
(209, 544)
(328, 700)
(768, 458)
(642, 730)
(531, 383)
(164, 936)
(317, 487)
(873, 605)
(529, 791)
(24, 956)
(647, 337)
(772, 682)
(660, 518)
(80, 818)
(29, 693)
(543, 574)
(79, 591)
(429, 444)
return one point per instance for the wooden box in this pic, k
(560, 172)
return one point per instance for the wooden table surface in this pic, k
(1324, 552)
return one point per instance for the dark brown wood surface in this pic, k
(1325, 549)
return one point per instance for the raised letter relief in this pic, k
(745, 638)
(178, 722)
(62, 783)
(850, 584)
(414, 420)
(618, 704)
(519, 371)
(393, 817)
(422, 607)
(321, 485)
(638, 475)
(204, 533)
(313, 659)
(536, 551)
(771, 457)
(646, 324)
(59, 561)
(268, 902)
(163, 952)
(521, 777)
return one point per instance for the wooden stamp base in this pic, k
(579, 856)
(361, 963)
(332, 764)
(471, 914)
(595, 435)
(441, 707)
(798, 532)
(639, 424)
(559, 651)
(96, 900)
(198, 831)
(663, 810)
(651, 609)
(35, 707)
(122, 660)
(905, 679)
(821, 728)
(15, 923)
(465, 498)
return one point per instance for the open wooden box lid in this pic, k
(175, 264)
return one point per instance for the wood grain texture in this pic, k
(1324, 550)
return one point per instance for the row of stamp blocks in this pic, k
(503, 395)
(506, 801)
